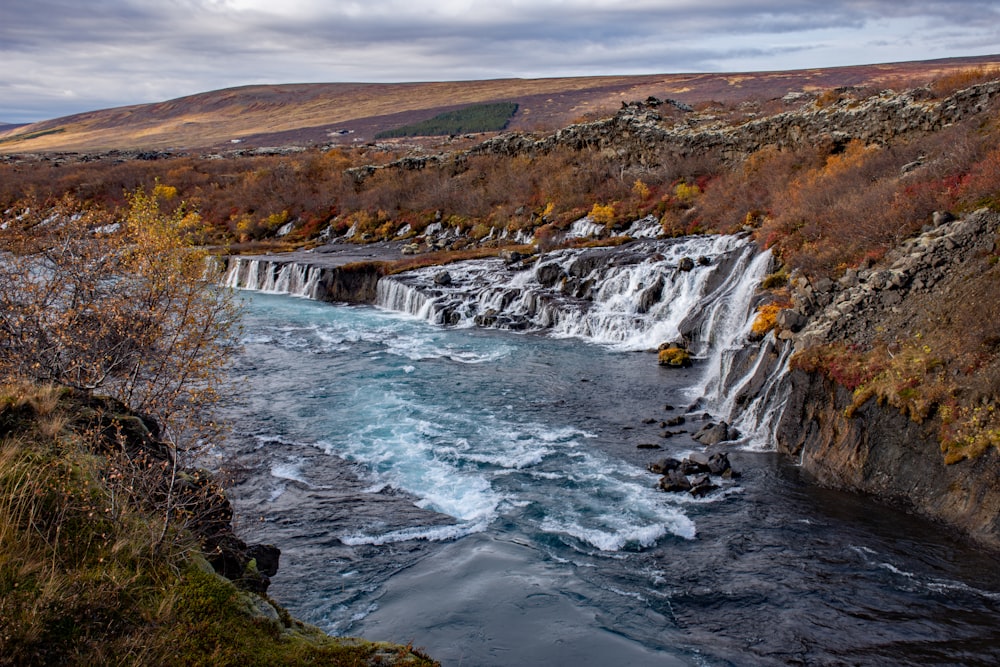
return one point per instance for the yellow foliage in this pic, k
(969, 431)
(164, 192)
(276, 220)
(685, 193)
(674, 356)
(640, 189)
(602, 213)
(130, 314)
(766, 319)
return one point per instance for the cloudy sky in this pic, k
(65, 56)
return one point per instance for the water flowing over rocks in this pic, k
(641, 295)
(633, 297)
(339, 274)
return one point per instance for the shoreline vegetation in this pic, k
(114, 337)
(114, 549)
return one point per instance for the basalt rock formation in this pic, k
(639, 134)
(873, 447)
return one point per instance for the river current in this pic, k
(482, 494)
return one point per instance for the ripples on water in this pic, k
(481, 494)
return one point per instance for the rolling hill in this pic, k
(322, 113)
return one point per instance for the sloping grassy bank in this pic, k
(109, 554)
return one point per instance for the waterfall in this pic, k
(631, 297)
(264, 275)
(699, 290)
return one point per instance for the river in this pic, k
(483, 494)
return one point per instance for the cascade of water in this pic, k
(630, 298)
(725, 322)
(231, 278)
(275, 277)
(699, 290)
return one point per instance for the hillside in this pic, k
(351, 113)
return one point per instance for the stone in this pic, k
(674, 481)
(699, 458)
(823, 285)
(663, 466)
(675, 421)
(712, 434)
(549, 274)
(790, 319)
(650, 296)
(689, 467)
(941, 217)
(648, 445)
(718, 463)
(511, 256)
(487, 319)
(443, 278)
(267, 557)
(702, 486)
(686, 264)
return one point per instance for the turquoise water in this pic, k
(482, 494)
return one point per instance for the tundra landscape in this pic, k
(652, 369)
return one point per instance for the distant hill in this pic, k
(307, 114)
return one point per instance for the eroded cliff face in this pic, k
(881, 452)
(946, 279)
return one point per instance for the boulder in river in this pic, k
(713, 434)
(673, 481)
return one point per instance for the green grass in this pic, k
(472, 119)
(31, 135)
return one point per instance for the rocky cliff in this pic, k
(885, 424)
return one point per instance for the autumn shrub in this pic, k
(125, 308)
(602, 214)
(673, 356)
(686, 193)
(640, 189)
(765, 319)
(952, 82)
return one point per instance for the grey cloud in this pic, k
(61, 53)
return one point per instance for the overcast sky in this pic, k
(65, 56)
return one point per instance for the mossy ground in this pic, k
(85, 578)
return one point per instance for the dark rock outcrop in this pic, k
(880, 451)
(694, 474)
(638, 134)
(713, 434)
(119, 430)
